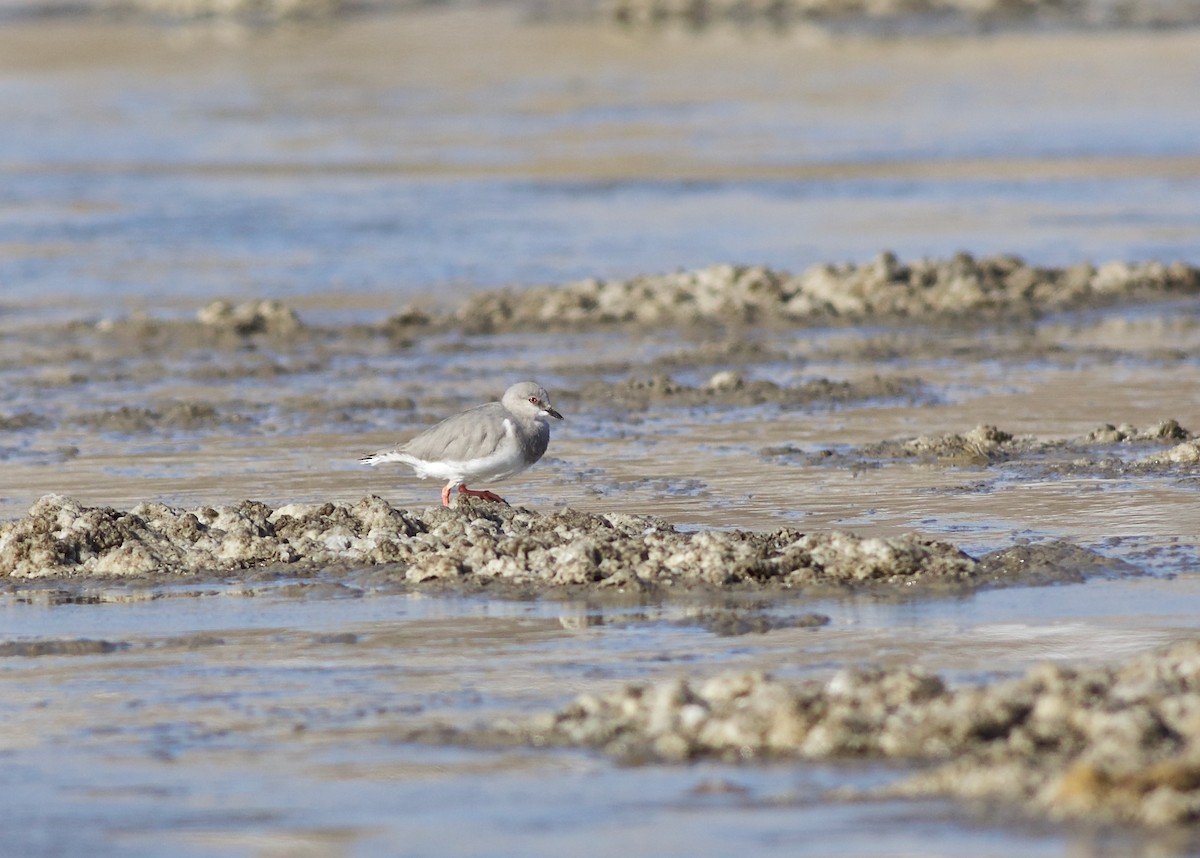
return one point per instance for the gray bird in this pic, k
(484, 444)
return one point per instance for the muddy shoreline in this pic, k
(730, 319)
(1106, 744)
(1102, 744)
(835, 551)
(267, 383)
(957, 290)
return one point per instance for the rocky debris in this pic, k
(1110, 744)
(988, 445)
(732, 389)
(1167, 430)
(959, 288)
(220, 327)
(81, 646)
(900, 15)
(721, 293)
(250, 317)
(962, 290)
(733, 622)
(407, 320)
(981, 446)
(1187, 453)
(21, 420)
(178, 415)
(478, 544)
(247, 13)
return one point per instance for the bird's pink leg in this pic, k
(471, 493)
(446, 494)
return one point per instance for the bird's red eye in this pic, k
(533, 399)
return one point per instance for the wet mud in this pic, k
(1107, 743)
(179, 415)
(731, 320)
(729, 388)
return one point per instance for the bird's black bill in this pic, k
(553, 413)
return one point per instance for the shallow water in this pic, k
(389, 156)
(352, 168)
(278, 724)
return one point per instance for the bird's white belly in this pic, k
(489, 469)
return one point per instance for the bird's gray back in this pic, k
(473, 434)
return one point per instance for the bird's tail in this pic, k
(381, 456)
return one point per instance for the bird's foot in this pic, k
(489, 496)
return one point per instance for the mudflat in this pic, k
(836, 546)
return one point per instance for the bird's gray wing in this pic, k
(473, 434)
